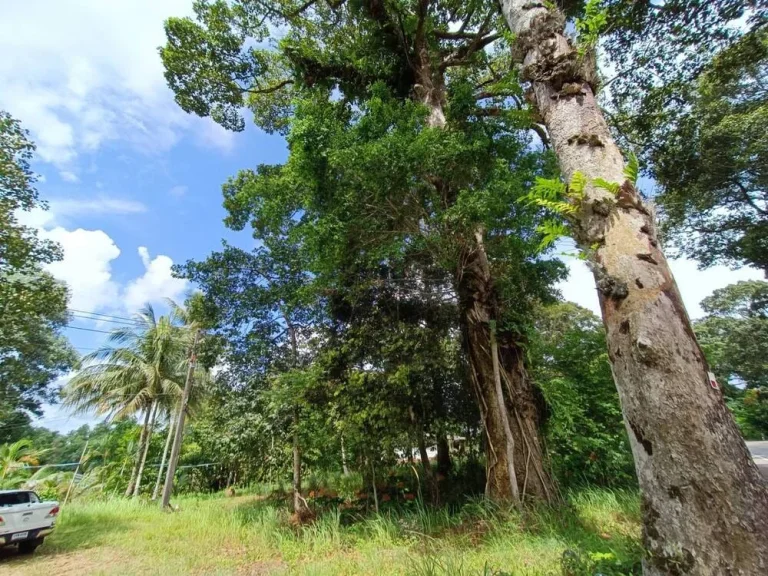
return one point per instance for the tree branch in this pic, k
(747, 198)
(462, 54)
(270, 89)
(446, 35)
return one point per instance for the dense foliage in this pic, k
(734, 334)
(689, 95)
(32, 303)
(585, 433)
(396, 249)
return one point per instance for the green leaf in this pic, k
(577, 186)
(552, 230)
(632, 170)
(612, 187)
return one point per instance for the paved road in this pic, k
(760, 454)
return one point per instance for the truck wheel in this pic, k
(28, 546)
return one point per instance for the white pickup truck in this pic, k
(24, 520)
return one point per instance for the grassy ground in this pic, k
(597, 531)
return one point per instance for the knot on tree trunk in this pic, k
(565, 70)
(543, 28)
(609, 286)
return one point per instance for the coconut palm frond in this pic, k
(140, 365)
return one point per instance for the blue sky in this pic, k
(133, 182)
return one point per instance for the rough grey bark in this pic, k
(140, 452)
(168, 438)
(344, 466)
(705, 507)
(375, 490)
(421, 442)
(140, 474)
(298, 501)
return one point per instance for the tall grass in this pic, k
(253, 533)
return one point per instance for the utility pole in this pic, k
(77, 470)
(179, 426)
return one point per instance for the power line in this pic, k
(121, 322)
(34, 424)
(104, 315)
(89, 329)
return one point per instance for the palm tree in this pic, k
(15, 459)
(140, 370)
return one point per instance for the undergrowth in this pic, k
(592, 531)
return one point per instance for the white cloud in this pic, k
(157, 282)
(694, 284)
(88, 257)
(212, 134)
(95, 206)
(61, 209)
(82, 73)
(68, 176)
(178, 191)
(86, 267)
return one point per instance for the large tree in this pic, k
(735, 331)
(437, 104)
(734, 334)
(32, 303)
(704, 502)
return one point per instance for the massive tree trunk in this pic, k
(515, 462)
(140, 453)
(705, 507)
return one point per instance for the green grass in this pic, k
(252, 535)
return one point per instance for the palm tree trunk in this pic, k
(139, 454)
(147, 442)
(179, 432)
(704, 503)
(168, 438)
